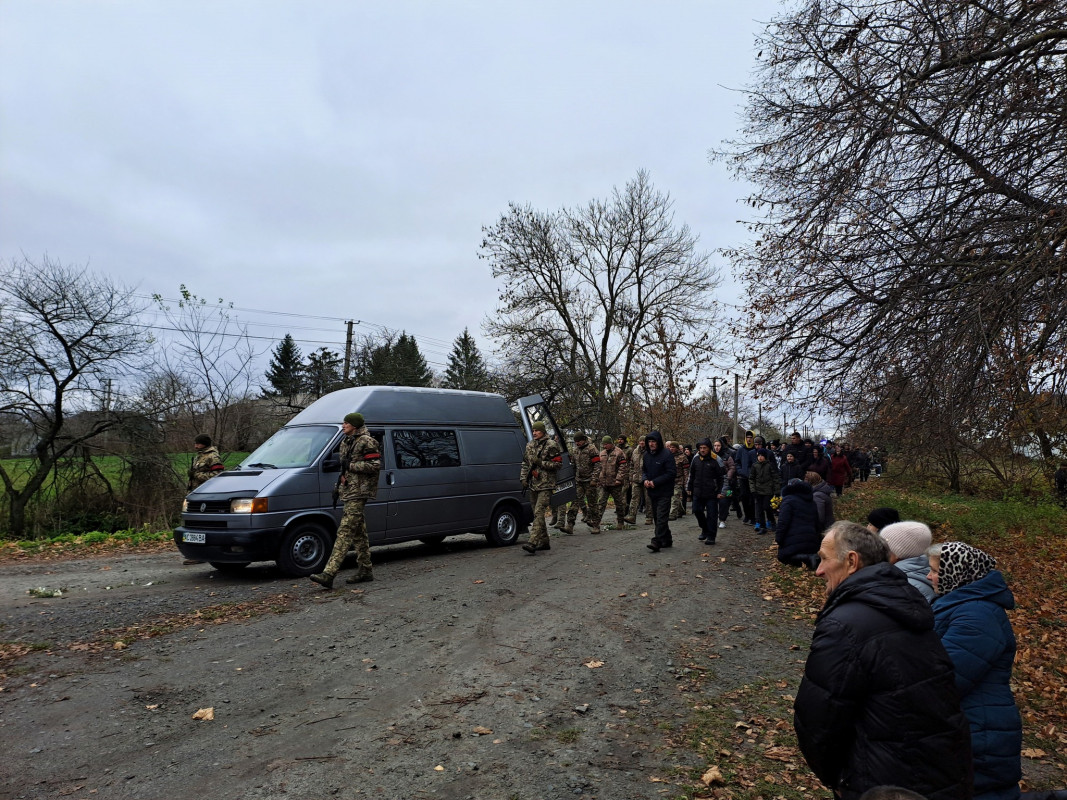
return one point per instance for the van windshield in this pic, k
(291, 447)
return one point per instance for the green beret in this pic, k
(539, 426)
(607, 440)
(355, 419)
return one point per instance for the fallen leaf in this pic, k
(593, 664)
(479, 581)
(623, 594)
(153, 706)
(481, 730)
(644, 594)
(1033, 752)
(118, 646)
(713, 777)
(206, 714)
(439, 768)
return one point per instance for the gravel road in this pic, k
(463, 671)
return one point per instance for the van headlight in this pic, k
(185, 505)
(248, 505)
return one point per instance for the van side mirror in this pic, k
(332, 463)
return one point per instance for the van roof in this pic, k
(409, 404)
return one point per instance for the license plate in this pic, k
(194, 538)
(560, 487)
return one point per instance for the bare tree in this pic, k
(210, 364)
(910, 161)
(68, 340)
(579, 287)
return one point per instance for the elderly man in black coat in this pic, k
(878, 703)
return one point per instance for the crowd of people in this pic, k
(907, 684)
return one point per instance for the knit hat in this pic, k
(907, 539)
(962, 564)
(355, 419)
(539, 426)
(881, 517)
(607, 440)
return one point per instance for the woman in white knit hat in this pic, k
(907, 542)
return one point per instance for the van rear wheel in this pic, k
(503, 527)
(305, 550)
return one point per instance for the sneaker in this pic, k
(702, 537)
(746, 521)
(711, 540)
(653, 547)
(757, 529)
(722, 524)
(772, 526)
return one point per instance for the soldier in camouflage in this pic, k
(638, 493)
(206, 464)
(621, 443)
(614, 477)
(541, 462)
(360, 464)
(586, 460)
(681, 465)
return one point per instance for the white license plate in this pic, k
(194, 538)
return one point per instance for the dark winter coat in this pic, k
(763, 477)
(878, 703)
(820, 464)
(744, 457)
(840, 471)
(790, 471)
(658, 467)
(705, 477)
(798, 522)
(978, 637)
(802, 454)
(823, 495)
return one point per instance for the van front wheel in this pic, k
(305, 550)
(503, 527)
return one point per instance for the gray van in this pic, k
(450, 465)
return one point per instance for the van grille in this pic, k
(206, 524)
(209, 507)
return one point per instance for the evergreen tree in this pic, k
(398, 362)
(286, 372)
(322, 373)
(466, 367)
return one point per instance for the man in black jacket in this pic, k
(878, 703)
(658, 473)
(705, 487)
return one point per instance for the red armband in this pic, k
(218, 467)
(558, 458)
(596, 459)
(371, 456)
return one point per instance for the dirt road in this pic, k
(462, 672)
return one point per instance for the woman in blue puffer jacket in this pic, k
(970, 615)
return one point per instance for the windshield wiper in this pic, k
(262, 466)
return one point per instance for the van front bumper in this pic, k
(229, 547)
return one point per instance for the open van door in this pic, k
(534, 409)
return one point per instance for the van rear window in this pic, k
(417, 449)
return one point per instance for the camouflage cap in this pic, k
(539, 426)
(355, 419)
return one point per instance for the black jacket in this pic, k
(803, 455)
(790, 471)
(878, 703)
(659, 467)
(798, 523)
(705, 477)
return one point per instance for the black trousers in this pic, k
(748, 500)
(705, 509)
(661, 511)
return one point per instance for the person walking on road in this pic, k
(614, 478)
(586, 462)
(705, 487)
(361, 462)
(658, 475)
(540, 463)
(638, 492)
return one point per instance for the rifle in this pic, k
(346, 461)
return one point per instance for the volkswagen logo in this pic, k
(203, 507)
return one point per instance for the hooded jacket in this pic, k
(916, 569)
(823, 495)
(763, 476)
(798, 521)
(840, 471)
(976, 633)
(878, 703)
(705, 475)
(658, 467)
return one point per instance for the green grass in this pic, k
(113, 468)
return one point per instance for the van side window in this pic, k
(415, 449)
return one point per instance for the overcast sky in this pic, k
(339, 159)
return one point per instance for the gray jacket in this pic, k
(916, 568)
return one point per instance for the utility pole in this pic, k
(759, 416)
(348, 354)
(737, 390)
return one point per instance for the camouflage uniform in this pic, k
(681, 463)
(358, 485)
(206, 464)
(638, 492)
(559, 515)
(586, 462)
(614, 476)
(542, 460)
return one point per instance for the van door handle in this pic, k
(389, 478)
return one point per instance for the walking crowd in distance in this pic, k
(906, 690)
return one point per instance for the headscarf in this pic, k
(962, 564)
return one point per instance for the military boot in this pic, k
(323, 579)
(631, 520)
(568, 528)
(361, 576)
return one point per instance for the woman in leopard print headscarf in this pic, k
(970, 614)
